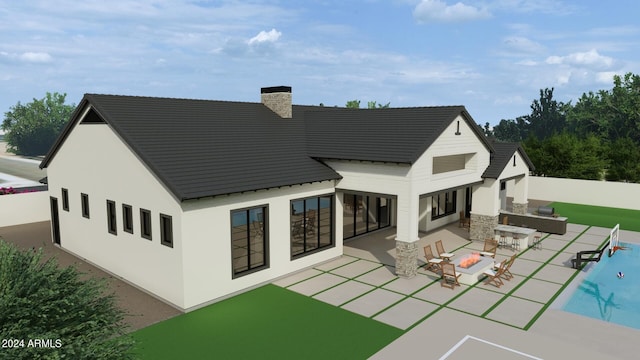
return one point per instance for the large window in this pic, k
(311, 225)
(166, 230)
(443, 204)
(111, 217)
(365, 213)
(249, 240)
(145, 224)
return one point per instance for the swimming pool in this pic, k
(604, 296)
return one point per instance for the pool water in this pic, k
(604, 296)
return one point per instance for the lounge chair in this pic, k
(441, 253)
(493, 275)
(449, 275)
(433, 263)
(490, 248)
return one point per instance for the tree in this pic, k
(32, 129)
(624, 161)
(510, 130)
(567, 156)
(610, 114)
(75, 318)
(547, 116)
(355, 104)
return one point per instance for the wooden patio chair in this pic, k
(490, 248)
(433, 263)
(441, 253)
(464, 221)
(449, 275)
(493, 275)
(507, 274)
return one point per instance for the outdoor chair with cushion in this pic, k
(493, 275)
(449, 275)
(441, 253)
(433, 263)
(490, 248)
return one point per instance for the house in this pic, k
(195, 200)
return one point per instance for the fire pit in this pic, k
(469, 260)
(471, 266)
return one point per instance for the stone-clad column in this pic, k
(483, 226)
(520, 208)
(406, 259)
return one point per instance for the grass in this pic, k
(268, 322)
(599, 215)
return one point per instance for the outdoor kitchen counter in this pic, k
(524, 234)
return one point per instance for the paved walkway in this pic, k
(514, 321)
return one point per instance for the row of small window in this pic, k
(166, 222)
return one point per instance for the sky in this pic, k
(491, 56)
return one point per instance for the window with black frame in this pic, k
(364, 213)
(311, 225)
(443, 204)
(249, 240)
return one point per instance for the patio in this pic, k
(513, 319)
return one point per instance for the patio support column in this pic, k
(520, 195)
(485, 210)
(407, 235)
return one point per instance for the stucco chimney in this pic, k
(278, 99)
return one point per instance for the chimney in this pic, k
(278, 99)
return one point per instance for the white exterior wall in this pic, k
(18, 209)
(448, 143)
(408, 183)
(94, 161)
(208, 273)
(588, 192)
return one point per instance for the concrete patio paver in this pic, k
(554, 273)
(356, 268)
(408, 286)
(373, 302)
(476, 301)
(341, 261)
(439, 294)
(317, 284)
(406, 313)
(297, 277)
(515, 311)
(379, 276)
(343, 293)
(537, 290)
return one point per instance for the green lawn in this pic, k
(599, 216)
(265, 323)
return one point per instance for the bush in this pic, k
(47, 312)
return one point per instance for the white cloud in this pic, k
(590, 59)
(266, 37)
(522, 44)
(36, 57)
(439, 11)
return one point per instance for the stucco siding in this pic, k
(94, 161)
(208, 273)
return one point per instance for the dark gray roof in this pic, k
(201, 148)
(503, 152)
(399, 135)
